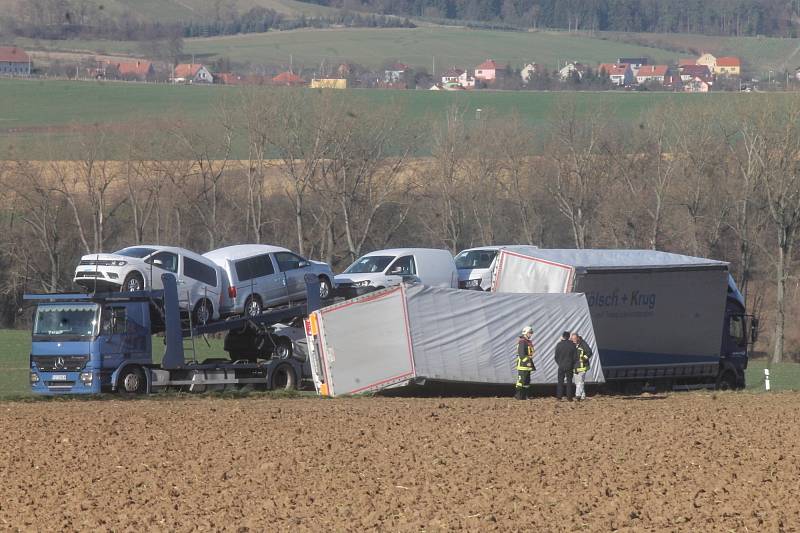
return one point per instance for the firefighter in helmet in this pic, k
(524, 363)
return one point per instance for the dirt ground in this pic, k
(682, 462)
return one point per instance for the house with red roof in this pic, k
(689, 72)
(14, 61)
(135, 70)
(652, 73)
(288, 79)
(619, 74)
(728, 66)
(191, 73)
(486, 71)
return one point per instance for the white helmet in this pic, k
(527, 330)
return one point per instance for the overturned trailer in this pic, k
(659, 317)
(411, 334)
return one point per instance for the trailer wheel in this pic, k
(726, 380)
(283, 378)
(131, 381)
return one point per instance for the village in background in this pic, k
(695, 75)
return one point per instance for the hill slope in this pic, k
(451, 46)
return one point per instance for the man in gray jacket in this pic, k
(567, 360)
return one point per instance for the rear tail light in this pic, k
(232, 292)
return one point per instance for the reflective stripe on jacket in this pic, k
(524, 354)
(583, 360)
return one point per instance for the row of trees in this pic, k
(333, 177)
(720, 17)
(64, 19)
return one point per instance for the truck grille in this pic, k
(54, 363)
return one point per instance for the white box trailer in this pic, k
(413, 333)
(656, 315)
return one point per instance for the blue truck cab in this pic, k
(93, 343)
(81, 344)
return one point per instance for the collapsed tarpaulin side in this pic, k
(471, 336)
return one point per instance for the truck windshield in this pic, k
(475, 259)
(66, 320)
(369, 264)
(135, 251)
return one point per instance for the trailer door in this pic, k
(520, 273)
(372, 344)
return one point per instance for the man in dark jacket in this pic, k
(567, 361)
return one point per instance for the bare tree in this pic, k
(446, 219)
(209, 148)
(780, 158)
(366, 170)
(90, 179)
(579, 170)
(297, 138)
(41, 207)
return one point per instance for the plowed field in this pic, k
(682, 462)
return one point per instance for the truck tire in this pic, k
(727, 380)
(131, 381)
(283, 378)
(133, 282)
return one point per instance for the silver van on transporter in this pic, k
(258, 276)
(385, 268)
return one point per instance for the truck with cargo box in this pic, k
(658, 317)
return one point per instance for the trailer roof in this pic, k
(628, 259)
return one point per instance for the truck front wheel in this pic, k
(283, 378)
(131, 381)
(727, 380)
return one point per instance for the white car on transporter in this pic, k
(140, 267)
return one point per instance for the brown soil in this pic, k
(684, 462)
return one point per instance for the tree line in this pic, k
(71, 19)
(332, 177)
(775, 18)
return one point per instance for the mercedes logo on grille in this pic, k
(60, 363)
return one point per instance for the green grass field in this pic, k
(15, 347)
(36, 115)
(464, 48)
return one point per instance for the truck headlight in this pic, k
(472, 283)
(361, 283)
(34, 378)
(86, 378)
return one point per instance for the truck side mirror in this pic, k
(754, 330)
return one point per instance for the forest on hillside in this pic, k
(775, 18)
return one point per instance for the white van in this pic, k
(257, 276)
(476, 265)
(140, 267)
(385, 268)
